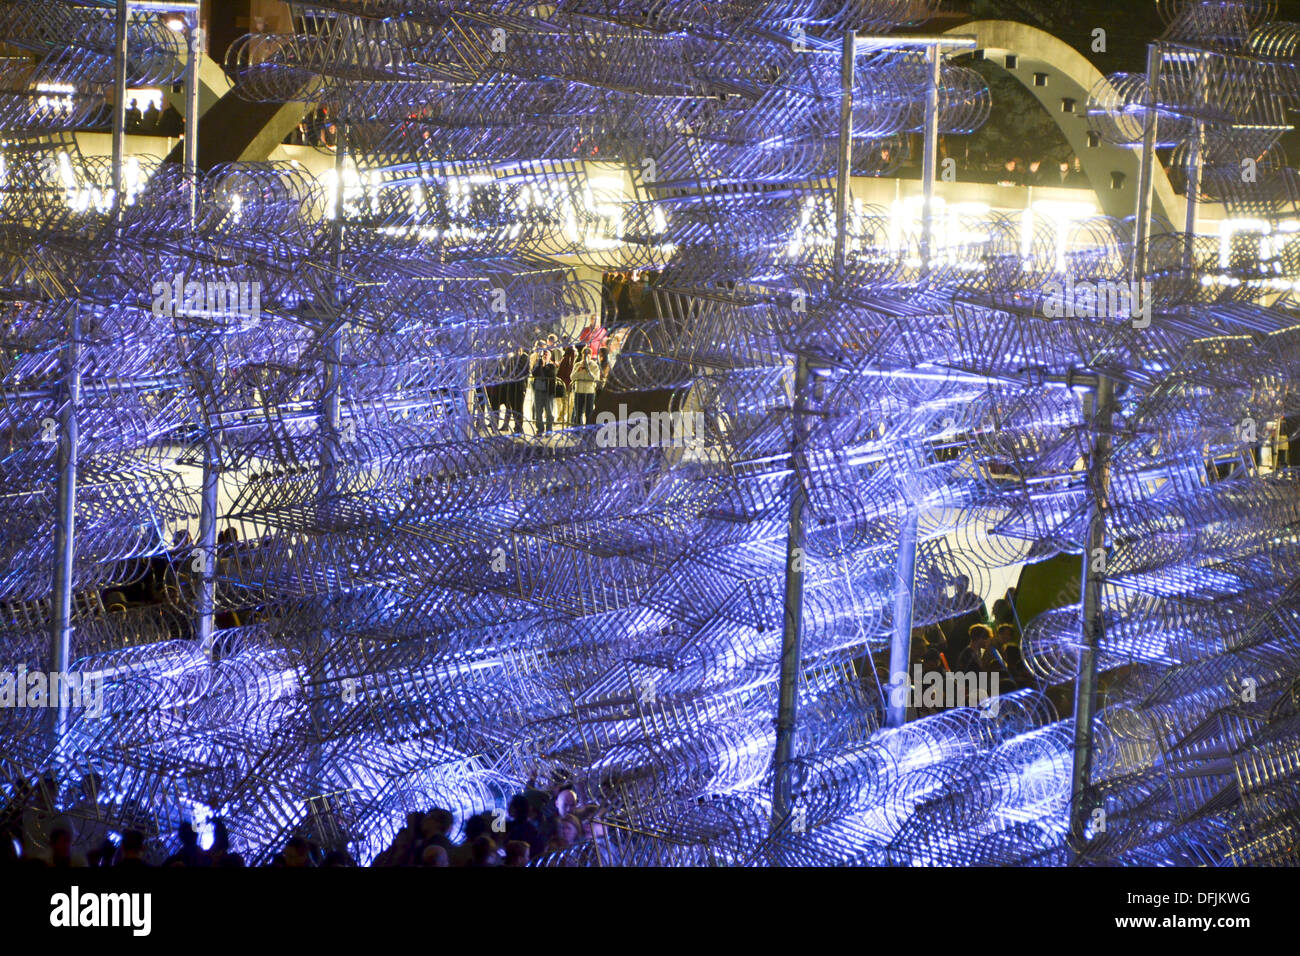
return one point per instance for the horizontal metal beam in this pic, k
(164, 6)
(952, 41)
(92, 388)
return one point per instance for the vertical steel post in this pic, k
(1100, 409)
(207, 544)
(119, 104)
(67, 455)
(1194, 161)
(843, 192)
(209, 502)
(331, 405)
(1146, 171)
(787, 716)
(930, 151)
(900, 643)
(330, 429)
(191, 151)
(65, 519)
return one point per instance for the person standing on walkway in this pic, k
(544, 392)
(586, 376)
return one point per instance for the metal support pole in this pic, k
(331, 407)
(191, 150)
(67, 455)
(119, 105)
(1098, 408)
(330, 429)
(207, 545)
(1146, 172)
(1194, 161)
(930, 152)
(1100, 411)
(209, 501)
(900, 644)
(787, 717)
(843, 192)
(65, 520)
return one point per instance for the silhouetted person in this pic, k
(483, 852)
(434, 830)
(296, 855)
(1004, 635)
(170, 123)
(61, 848)
(516, 384)
(971, 659)
(1063, 176)
(544, 393)
(626, 302)
(517, 853)
(131, 853)
(1019, 674)
(189, 854)
(521, 827)
(957, 629)
(435, 856)
(1003, 613)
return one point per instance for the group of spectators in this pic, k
(561, 379)
(1015, 171)
(536, 823)
(976, 642)
(1004, 166)
(627, 297)
(315, 129)
(153, 121)
(35, 832)
(172, 575)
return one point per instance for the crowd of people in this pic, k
(561, 380)
(168, 587)
(976, 642)
(554, 385)
(36, 832)
(317, 128)
(627, 297)
(1015, 171)
(548, 375)
(1004, 166)
(535, 823)
(152, 121)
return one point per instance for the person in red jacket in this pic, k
(593, 336)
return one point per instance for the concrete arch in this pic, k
(1069, 75)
